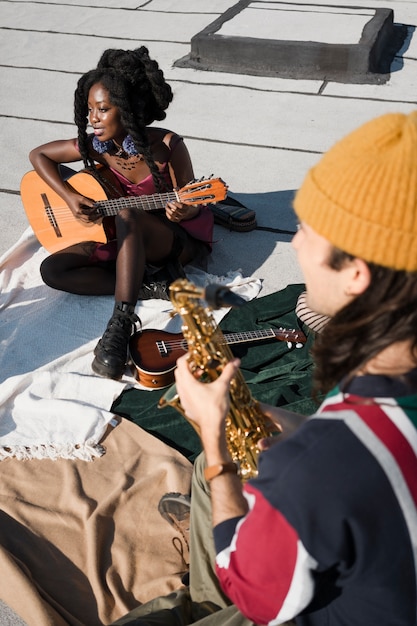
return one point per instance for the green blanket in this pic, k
(275, 373)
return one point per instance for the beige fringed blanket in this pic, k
(83, 543)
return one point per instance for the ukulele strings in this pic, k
(165, 345)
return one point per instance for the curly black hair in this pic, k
(137, 86)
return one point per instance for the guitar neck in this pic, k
(258, 335)
(146, 203)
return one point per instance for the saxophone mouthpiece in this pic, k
(218, 296)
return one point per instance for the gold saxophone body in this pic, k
(209, 352)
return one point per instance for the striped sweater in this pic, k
(331, 532)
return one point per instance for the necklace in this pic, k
(127, 162)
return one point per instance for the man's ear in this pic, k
(360, 277)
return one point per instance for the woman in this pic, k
(120, 99)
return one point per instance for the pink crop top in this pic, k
(200, 227)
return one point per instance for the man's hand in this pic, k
(205, 404)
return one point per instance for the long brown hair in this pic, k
(384, 314)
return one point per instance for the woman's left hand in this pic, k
(176, 211)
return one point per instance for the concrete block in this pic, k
(365, 59)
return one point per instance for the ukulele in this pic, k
(56, 227)
(154, 353)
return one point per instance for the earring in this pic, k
(129, 146)
(102, 146)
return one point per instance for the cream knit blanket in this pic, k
(51, 403)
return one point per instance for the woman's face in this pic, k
(104, 116)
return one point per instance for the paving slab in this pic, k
(52, 51)
(270, 119)
(124, 4)
(52, 94)
(39, 50)
(138, 26)
(187, 6)
(401, 88)
(294, 121)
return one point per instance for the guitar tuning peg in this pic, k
(289, 345)
(298, 345)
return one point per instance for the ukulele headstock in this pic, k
(291, 336)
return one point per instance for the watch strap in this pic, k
(219, 469)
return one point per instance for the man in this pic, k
(327, 532)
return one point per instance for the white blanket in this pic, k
(51, 403)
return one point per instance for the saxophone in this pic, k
(209, 352)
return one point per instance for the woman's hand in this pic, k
(83, 209)
(46, 159)
(177, 212)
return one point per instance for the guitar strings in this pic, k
(113, 205)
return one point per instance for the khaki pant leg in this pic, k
(176, 609)
(203, 580)
(204, 584)
(203, 604)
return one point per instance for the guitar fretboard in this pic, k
(146, 203)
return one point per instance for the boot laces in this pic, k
(118, 331)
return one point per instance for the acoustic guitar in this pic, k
(56, 227)
(154, 353)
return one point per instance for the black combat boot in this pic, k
(111, 351)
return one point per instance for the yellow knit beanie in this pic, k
(362, 195)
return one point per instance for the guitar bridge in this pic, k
(50, 214)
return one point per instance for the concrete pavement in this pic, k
(259, 133)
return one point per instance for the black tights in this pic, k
(141, 238)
